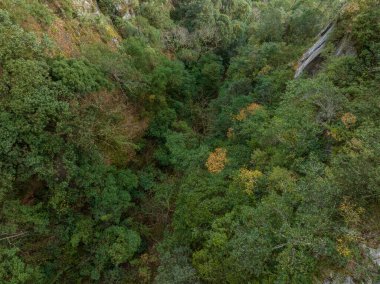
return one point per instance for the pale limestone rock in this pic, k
(127, 16)
(348, 280)
(374, 254)
(311, 60)
(315, 51)
(126, 8)
(86, 7)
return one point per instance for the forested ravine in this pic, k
(189, 141)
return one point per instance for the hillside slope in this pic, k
(192, 141)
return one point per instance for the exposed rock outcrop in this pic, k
(371, 253)
(126, 9)
(86, 7)
(315, 51)
(312, 59)
(374, 254)
(339, 279)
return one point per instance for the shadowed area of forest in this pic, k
(189, 141)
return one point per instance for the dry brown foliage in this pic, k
(250, 109)
(349, 119)
(117, 126)
(217, 160)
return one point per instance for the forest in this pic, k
(190, 141)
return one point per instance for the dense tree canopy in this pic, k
(173, 145)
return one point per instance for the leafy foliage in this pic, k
(243, 174)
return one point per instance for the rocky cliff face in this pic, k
(125, 8)
(70, 24)
(86, 7)
(312, 59)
